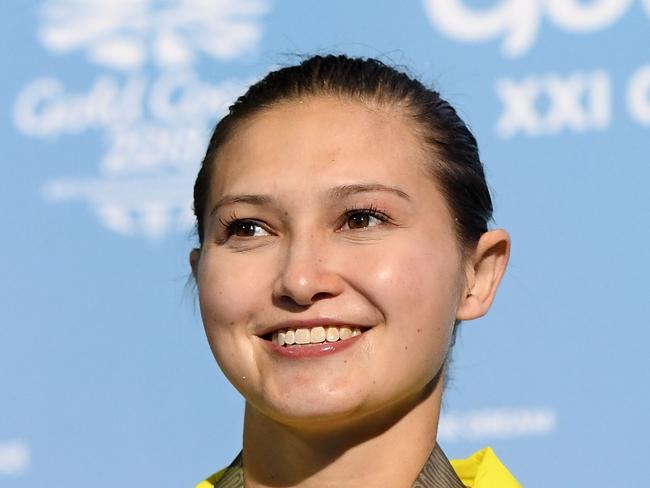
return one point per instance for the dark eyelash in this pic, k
(370, 209)
(229, 223)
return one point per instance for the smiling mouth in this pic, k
(314, 335)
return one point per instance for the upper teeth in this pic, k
(314, 335)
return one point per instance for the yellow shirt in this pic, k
(483, 470)
(480, 470)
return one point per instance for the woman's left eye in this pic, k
(361, 219)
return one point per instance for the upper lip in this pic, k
(308, 324)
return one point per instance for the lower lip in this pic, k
(312, 350)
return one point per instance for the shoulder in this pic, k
(212, 480)
(229, 477)
(483, 469)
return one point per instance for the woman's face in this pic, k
(321, 214)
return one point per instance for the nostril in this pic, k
(321, 295)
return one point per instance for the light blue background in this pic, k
(105, 374)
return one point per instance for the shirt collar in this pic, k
(437, 472)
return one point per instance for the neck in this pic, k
(386, 449)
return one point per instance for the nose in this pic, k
(306, 274)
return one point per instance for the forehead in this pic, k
(320, 141)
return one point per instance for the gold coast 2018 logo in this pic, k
(146, 102)
(517, 22)
(580, 101)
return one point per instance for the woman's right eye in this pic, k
(246, 228)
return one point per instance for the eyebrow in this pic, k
(347, 190)
(336, 193)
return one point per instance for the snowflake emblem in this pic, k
(126, 35)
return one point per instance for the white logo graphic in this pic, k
(517, 22)
(15, 457)
(579, 102)
(127, 34)
(153, 112)
(638, 95)
(496, 424)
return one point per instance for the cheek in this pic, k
(415, 289)
(228, 297)
(226, 290)
(411, 281)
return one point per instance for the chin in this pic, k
(313, 407)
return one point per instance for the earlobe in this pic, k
(488, 263)
(195, 254)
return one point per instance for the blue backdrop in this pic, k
(105, 375)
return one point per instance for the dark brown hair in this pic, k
(454, 160)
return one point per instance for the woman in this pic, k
(342, 216)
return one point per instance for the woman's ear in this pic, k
(195, 254)
(484, 270)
